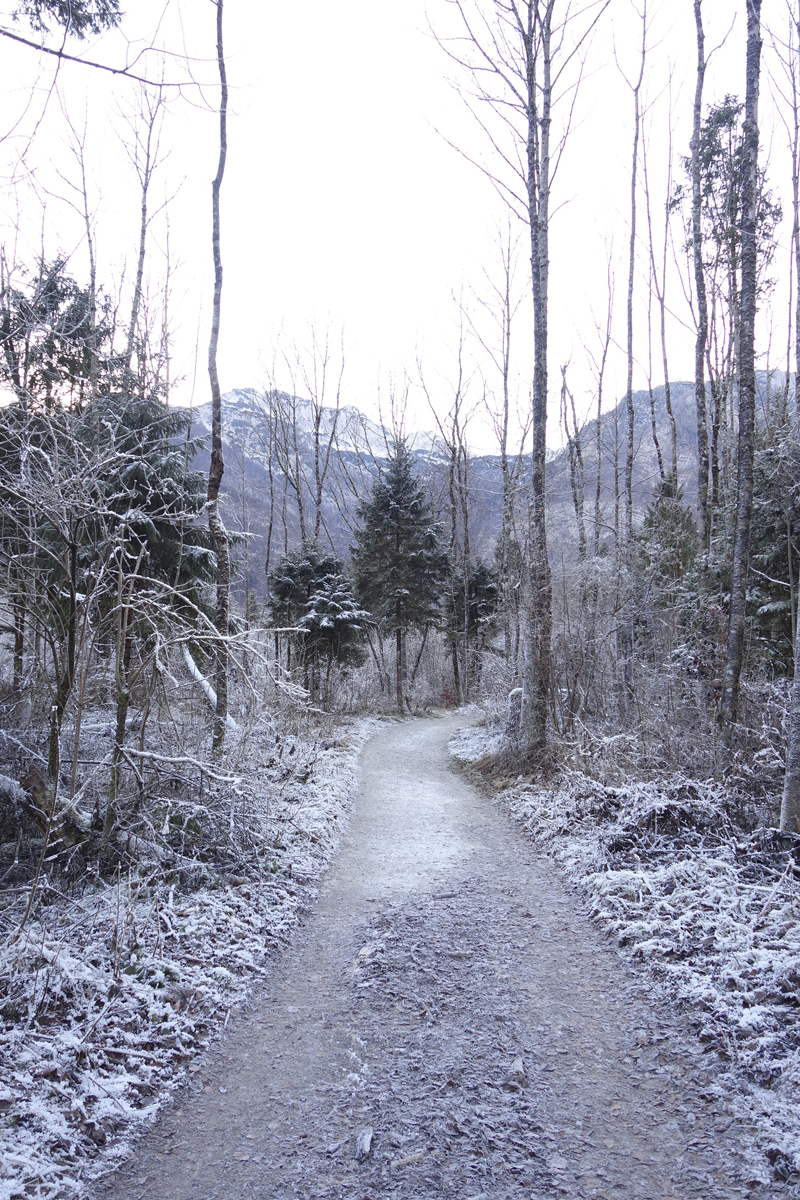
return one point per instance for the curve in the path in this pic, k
(449, 995)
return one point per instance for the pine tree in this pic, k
(399, 566)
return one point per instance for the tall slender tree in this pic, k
(790, 807)
(729, 707)
(519, 57)
(701, 339)
(215, 524)
(627, 617)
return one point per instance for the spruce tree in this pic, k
(332, 629)
(292, 582)
(309, 592)
(398, 564)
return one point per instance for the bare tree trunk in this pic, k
(316, 386)
(399, 658)
(218, 531)
(601, 371)
(653, 423)
(271, 522)
(796, 205)
(536, 687)
(18, 605)
(790, 808)
(420, 652)
(660, 286)
(575, 455)
(463, 493)
(628, 613)
(729, 707)
(123, 702)
(702, 312)
(377, 661)
(144, 155)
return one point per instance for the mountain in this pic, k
(267, 508)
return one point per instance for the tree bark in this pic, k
(399, 658)
(536, 689)
(218, 531)
(123, 703)
(729, 707)
(575, 456)
(702, 313)
(626, 631)
(790, 808)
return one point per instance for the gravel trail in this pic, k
(448, 994)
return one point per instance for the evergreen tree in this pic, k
(399, 566)
(78, 17)
(332, 629)
(668, 539)
(775, 544)
(292, 582)
(99, 503)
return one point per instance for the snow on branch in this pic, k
(211, 695)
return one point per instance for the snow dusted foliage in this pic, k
(110, 993)
(673, 869)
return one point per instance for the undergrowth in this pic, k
(118, 979)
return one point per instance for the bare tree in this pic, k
(790, 806)
(788, 54)
(572, 432)
(502, 305)
(218, 531)
(144, 153)
(729, 706)
(702, 309)
(524, 58)
(319, 370)
(658, 279)
(627, 616)
(453, 432)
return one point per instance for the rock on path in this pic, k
(447, 1023)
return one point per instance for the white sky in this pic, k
(342, 203)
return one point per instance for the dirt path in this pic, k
(448, 993)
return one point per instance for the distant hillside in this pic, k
(361, 448)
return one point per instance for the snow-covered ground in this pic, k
(710, 908)
(107, 997)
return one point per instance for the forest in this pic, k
(207, 610)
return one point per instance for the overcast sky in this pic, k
(343, 205)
